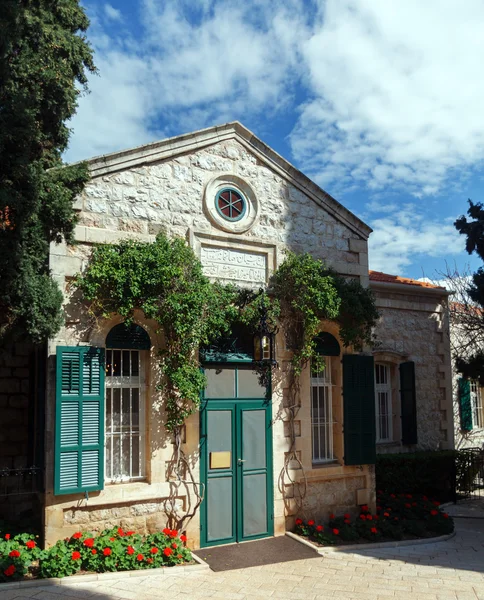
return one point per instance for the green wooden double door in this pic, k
(236, 457)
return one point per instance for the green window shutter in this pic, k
(79, 432)
(359, 409)
(465, 407)
(408, 403)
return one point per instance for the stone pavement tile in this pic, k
(294, 595)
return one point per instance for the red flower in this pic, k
(167, 551)
(9, 571)
(154, 550)
(94, 551)
(130, 533)
(76, 555)
(139, 557)
(174, 533)
(409, 495)
(445, 515)
(14, 554)
(335, 531)
(174, 546)
(149, 560)
(130, 550)
(319, 528)
(107, 551)
(30, 544)
(89, 542)
(436, 503)
(120, 532)
(7, 536)
(111, 539)
(347, 516)
(347, 521)
(374, 530)
(385, 514)
(183, 538)
(331, 517)
(434, 512)
(424, 498)
(392, 496)
(180, 556)
(407, 505)
(364, 508)
(298, 522)
(369, 518)
(363, 517)
(311, 523)
(77, 535)
(376, 517)
(167, 531)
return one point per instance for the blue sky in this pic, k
(379, 102)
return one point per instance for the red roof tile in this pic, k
(386, 278)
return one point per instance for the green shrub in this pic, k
(429, 473)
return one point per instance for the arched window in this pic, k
(126, 361)
(322, 401)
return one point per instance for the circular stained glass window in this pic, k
(230, 204)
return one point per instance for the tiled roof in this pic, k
(386, 278)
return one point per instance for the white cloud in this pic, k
(399, 238)
(229, 61)
(112, 14)
(396, 93)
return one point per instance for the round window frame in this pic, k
(243, 188)
(231, 189)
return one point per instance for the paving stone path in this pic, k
(450, 570)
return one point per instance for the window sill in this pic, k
(324, 465)
(382, 444)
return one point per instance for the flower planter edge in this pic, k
(74, 579)
(329, 549)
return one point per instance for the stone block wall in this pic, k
(15, 384)
(20, 439)
(414, 327)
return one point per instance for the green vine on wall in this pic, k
(164, 280)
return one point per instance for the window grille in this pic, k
(322, 414)
(476, 403)
(125, 415)
(383, 392)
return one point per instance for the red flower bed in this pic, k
(396, 518)
(111, 550)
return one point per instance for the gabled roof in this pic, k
(191, 142)
(377, 277)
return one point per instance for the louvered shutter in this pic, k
(465, 407)
(408, 402)
(359, 409)
(79, 456)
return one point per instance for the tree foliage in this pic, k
(44, 59)
(467, 310)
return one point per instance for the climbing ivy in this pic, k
(308, 292)
(165, 281)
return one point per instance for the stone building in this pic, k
(240, 206)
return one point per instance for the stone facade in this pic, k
(414, 327)
(169, 186)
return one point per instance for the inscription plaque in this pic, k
(234, 266)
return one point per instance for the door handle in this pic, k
(240, 460)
